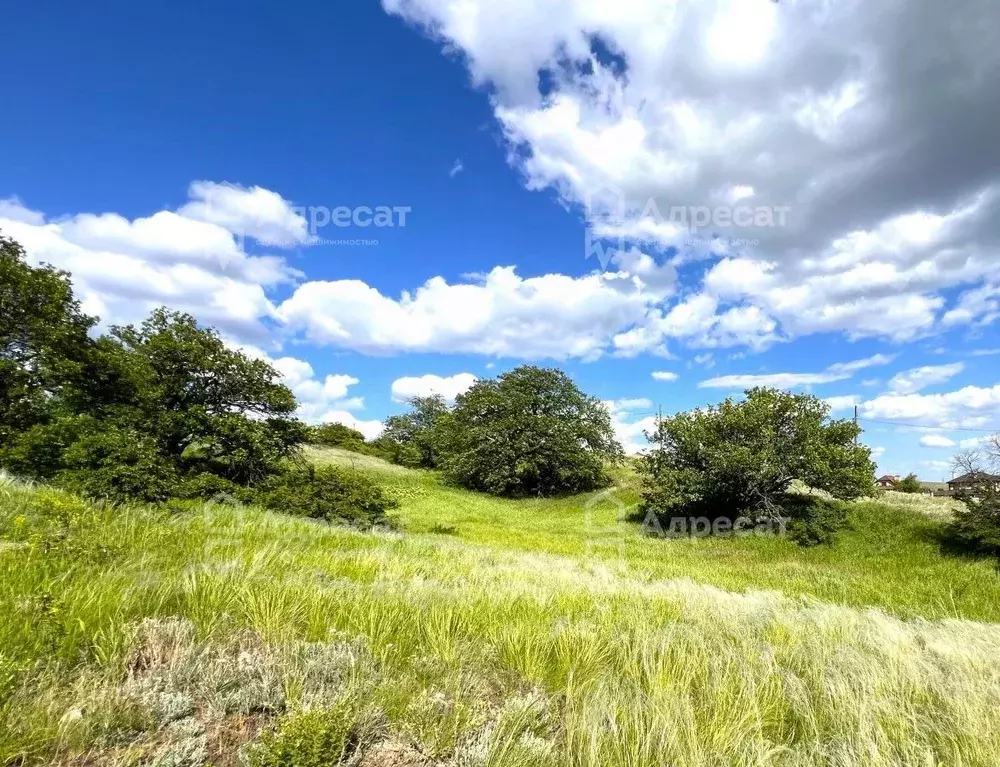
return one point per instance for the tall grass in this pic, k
(137, 635)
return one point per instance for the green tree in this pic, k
(976, 528)
(337, 435)
(741, 457)
(44, 342)
(909, 484)
(529, 432)
(415, 438)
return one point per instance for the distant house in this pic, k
(969, 483)
(887, 482)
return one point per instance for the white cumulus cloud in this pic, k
(449, 387)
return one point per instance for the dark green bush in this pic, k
(813, 519)
(415, 438)
(117, 464)
(909, 484)
(337, 435)
(163, 410)
(329, 493)
(976, 528)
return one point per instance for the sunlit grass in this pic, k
(531, 633)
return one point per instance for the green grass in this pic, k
(889, 558)
(521, 633)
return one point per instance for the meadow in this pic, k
(483, 631)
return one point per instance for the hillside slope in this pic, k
(141, 637)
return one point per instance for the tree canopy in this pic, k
(415, 438)
(909, 484)
(741, 456)
(163, 409)
(530, 431)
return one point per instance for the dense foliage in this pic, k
(530, 431)
(329, 493)
(416, 438)
(909, 484)
(159, 410)
(976, 528)
(741, 458)
(337, 435)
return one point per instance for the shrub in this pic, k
(117, 464)
(909, 484)
(529, 432)
(330, 493)
(740, 458)
(319, 737)
(337, 435)
(976, 528)
(813, 520)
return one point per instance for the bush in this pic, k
(740, 458)
(337, 435)
(976, 528)
(320, 737)
(813, 520)
(529, 432)
(116, 464)
(328, 493)
(909, 484)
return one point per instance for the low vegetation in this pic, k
(533, 633)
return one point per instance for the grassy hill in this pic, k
(486, 632)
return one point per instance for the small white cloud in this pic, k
(664, 375)
(456, 169)
(914, 380)
(845, 402)
(449, 387)
(839, 371)
(316, 398)
(936, 440)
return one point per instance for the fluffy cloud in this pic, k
(837, 372)
(970, 407)
(631, 427)
(936, 440)
(247, 212)
(189, 260)
(630, 110)
(845, 402)
(664, 375)
(500, 313)
(448, 387)
(370, 429)
(317, 399)
(920, 378)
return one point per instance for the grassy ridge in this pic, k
(520, 633)
(890, 558)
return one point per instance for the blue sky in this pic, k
(190, 155)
